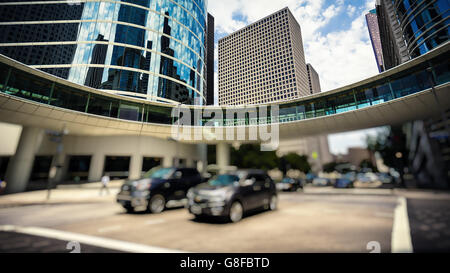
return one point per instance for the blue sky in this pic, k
(335, 38)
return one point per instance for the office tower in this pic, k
(409, 29)
(263, 62)
(141, 48)
(316, 148)
(374, 33)
(313, 79)
(210, 61)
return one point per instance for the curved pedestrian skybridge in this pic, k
(414, 90)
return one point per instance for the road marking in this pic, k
(87, 239)
(401, 233)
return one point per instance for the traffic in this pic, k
(232, 195)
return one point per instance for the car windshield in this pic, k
(164, 173)
(223, 180)
(286, 180)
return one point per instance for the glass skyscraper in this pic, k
(151, 49)
(410, 28)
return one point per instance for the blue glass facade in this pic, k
(153, 49)
(408, 80)
(425, 23)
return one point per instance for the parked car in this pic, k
(310, 178)
(289, 184)
(156, 188)
(385, 178)
(2, 186)
(321, 182)
(232, 195)
(368, 177)
(346, 181)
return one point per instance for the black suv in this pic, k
(232, 195)
(156, 188)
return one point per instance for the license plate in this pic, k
(196, 210)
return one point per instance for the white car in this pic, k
(320, 182)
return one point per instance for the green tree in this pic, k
(297, 162)
(250, 156)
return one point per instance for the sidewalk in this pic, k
(355, 191)
(63, 194)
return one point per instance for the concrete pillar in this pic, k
(167, 162)
(223, 156)
(202, 150)
(21, 164)
(96, 168)
(135, 167)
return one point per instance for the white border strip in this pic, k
(87, 239)
(401, 234)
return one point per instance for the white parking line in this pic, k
(87, 239)
(401, 233)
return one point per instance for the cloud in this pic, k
(335, 39)
(341, 56)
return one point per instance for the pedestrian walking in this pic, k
(105, 182)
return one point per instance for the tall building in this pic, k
(210, 61)
(316, 148)
(263, 62)
(409, 29)
(146, 49)
(374, 33)
(313, 80)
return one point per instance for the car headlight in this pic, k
(143, 185)
(190, 194)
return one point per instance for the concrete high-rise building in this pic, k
(210, 61)
(316, 148)
(263, 62)
(313, 79)
(374, 33)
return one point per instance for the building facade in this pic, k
(374, 34)
(263, 62)
(210, 43)
(409, 29)
(147, 49)
(313, 80)
(316, 148)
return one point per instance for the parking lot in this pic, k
(325, 220)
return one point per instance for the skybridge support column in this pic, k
(19, 169)
(135, 167)
(96, 168)
(223, 156)
(202, 150)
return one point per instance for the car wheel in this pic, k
(236, 212)
(157, 204)
(273, 202)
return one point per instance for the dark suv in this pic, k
(156, 188)
(232, 195)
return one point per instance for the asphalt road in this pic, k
(303, 223)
